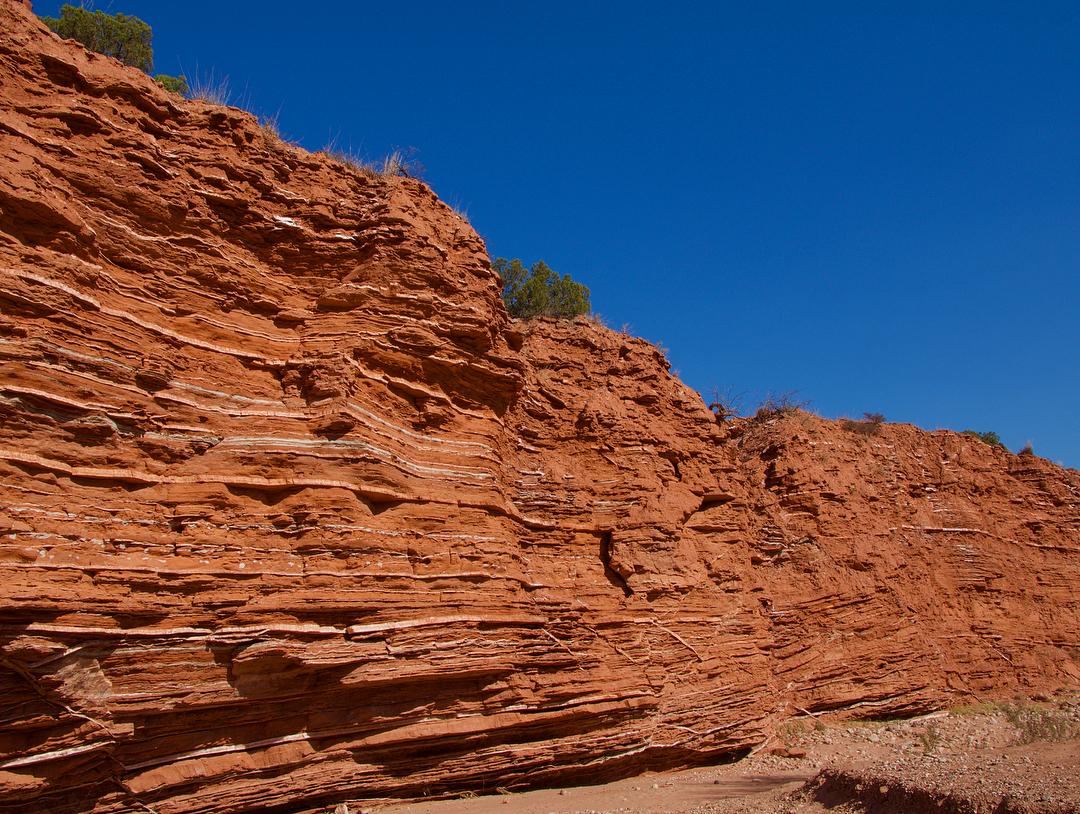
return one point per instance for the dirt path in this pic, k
(665, 793)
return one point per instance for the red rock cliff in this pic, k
(291, 514)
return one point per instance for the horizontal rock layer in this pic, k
(292, 514)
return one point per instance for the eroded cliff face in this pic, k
(291, 514)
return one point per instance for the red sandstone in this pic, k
(291, 513)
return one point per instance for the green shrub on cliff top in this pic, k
(991, 438)
(176, 84)
(538, 291)
(121, 36)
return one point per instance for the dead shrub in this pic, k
(868, 425)
(784, 404)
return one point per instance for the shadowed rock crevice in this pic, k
(614, 577)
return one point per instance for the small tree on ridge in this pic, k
(539, 291)
(121, 36)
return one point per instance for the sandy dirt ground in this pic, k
(1012, 758)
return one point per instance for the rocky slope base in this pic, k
(291, 513)
(1007, 758)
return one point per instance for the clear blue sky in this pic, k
(876, 204)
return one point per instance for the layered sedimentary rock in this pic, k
(292, 514)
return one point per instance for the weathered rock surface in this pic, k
(291, 514)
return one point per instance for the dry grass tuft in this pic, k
(1037, 723)
(210, 89)
(271, 132)
(349, 159)
(396, 163)
(930, 738)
